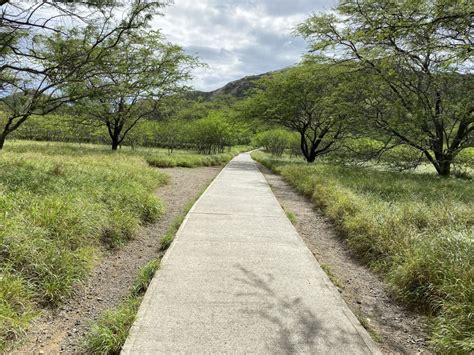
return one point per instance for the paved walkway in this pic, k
(239, 279)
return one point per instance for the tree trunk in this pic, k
(2, 140)
(115, 136)
(115, 143)
(311, 157)
(444, 168)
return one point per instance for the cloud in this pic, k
(238, 38)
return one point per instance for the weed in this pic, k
(144, 277)
(109, 333)
(365, 322)
(334, 279)
(291, 216)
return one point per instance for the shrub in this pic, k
(275, 141)
(188, 160)
(211, 135)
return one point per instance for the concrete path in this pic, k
(239, 279)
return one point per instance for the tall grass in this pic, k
(191, 160)
(187, 160)
(416, 229)
(108, 334)
(58, 207)
(155, 157)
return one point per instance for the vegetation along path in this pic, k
(63, 329)
(238, 278)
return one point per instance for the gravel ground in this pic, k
(396, 329)
(62, 330)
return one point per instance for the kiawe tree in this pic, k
(47, 45)
(311, 99)
(132, 81)
(418, 56)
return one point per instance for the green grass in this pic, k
(414, 228)
(332, 276)
(155, 157)
(187, 160)
(365, 322)
(291, 216)
(59, 206)
(110, 332)
(191, 160)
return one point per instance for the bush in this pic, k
(275, 141)
(211, 135)
(414, 228)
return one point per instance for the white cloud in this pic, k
(238, 38)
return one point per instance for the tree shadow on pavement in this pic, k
(298, 327)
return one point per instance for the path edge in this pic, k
(130, 341)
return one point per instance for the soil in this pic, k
(395, 328)
(63, 329)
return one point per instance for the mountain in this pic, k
(237, 89)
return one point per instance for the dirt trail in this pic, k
(398, 329)
(62, 330)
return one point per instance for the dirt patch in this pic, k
(62, 330)
(396, 329)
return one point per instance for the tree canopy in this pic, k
(419, 54)
(312, 99)
(49, 44)
(131, 82)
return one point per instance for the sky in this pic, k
(238, 38)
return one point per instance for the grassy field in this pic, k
(416, 229)
(60, 205)
(155, 157)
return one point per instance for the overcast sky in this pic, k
(238, 37)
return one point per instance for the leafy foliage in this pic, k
(40, 56)
(417, 59)
(311, 99)
(276, 141)
(131, 82)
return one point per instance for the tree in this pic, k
(311, 99)
(133, 79)
(418, 55)
(275, 140)
(48, 44)
(211, 134)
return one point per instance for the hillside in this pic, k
(237, 88)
